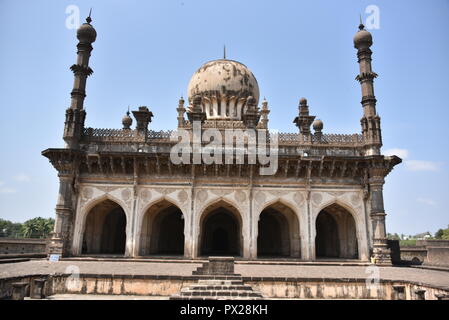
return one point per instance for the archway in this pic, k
(336, 235)
(105, 229)
(162, 230)
(278, 232)
(221, 231)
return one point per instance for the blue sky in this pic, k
(146, 52)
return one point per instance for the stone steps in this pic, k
(217, 289)
(221, 287)
(217, 280)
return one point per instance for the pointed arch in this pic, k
(220, 229)
(104, 227)
(81, 217)
(226, 200)
(337, 232)
(278, 230)
(161, 229)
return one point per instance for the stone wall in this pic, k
(413, 254)
(286, 288)
(14, 246)
(432, 243)
(438, 256)
(427, 252)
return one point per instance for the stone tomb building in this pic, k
(120, 193)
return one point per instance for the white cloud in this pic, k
(4, 190)
(22, 177)
(401, 153)
(427, 201)
(420, 165)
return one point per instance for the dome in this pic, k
(127, 121)
(318, 125)
(86, 33)
(363, 38)
(223, 79)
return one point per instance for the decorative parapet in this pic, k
(124, 135)
(284, 138)
(354, 140)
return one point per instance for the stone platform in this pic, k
(272, 280)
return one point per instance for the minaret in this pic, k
(251, 116)
(303, 121)
(370, 121)
(181, 110)
(373, 141)
(264, 114)
(75, 114)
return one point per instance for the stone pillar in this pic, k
(420, 294)
(381, 253)
(37, 290)
(310, 234)
(60, 241)
(254, 234)
(399, 292)
(19, 290)
(247, 252)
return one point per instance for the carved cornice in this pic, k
(65, 161)
(129, 164)
(364, 76)
(81, 70)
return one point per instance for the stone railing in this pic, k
(284, 138)
(123, 135)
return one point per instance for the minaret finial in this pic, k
(224, 52)
(89, 19)
(361, 26)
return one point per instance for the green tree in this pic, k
(439, 234)
(9, 229)
(37, 227)
(442, 234)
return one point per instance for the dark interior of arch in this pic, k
(273, 235)
(105, 230)
(167, 235)
(336, 234)
(220, 234)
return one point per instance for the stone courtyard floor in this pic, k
(434, 278)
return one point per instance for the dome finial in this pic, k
(224, 52)
(89, 19)
(127, 121)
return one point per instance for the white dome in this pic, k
(223, 84)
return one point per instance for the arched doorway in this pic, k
(278, 232)
(105, 229)
(221, 231)
(336, 235)
(162, 230)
